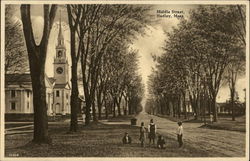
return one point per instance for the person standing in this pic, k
(180, 134)
(152, 131)
(211, 118)
(142, 134)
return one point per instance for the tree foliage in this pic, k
(15, 52)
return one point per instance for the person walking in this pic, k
(142, 134)
(152, 131)
(180, 134)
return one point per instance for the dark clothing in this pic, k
(126, 140)
(142, 135)
(152, 131)
(179, 138)
(161, 143)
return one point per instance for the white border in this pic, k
(122, 2)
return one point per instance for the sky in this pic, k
(150, 43)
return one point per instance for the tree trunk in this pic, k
(74, 90)
(232, 105)
(40, 134)
(99, 111)
(174, 109)
(129, 107)
(114, 113)
(214, 107)
(194, 107)
(37, 58)
(106, 109)
(178, 107)
(168, 108)
(209, 107)
(184, 106)
(118, 103)
(126, 105)
(99, 105)
(87, 112)
(94, 111)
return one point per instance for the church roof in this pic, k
(11, 78)
(52, 80)
(24, 78)
(60, 85)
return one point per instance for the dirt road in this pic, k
(219, 143)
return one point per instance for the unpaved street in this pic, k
(219, 143)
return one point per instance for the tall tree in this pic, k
(37, 57)
(74, 14)
(236, 66)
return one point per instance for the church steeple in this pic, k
(60, 47)
(60, 34)
(61, 73)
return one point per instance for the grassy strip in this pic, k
(221, 126)
(96, 140)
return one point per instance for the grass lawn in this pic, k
(97, 140)
(226, 123)
(121, 118)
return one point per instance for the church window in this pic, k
(28, 94)
(67, 96)
(28, 105)
(13, 106)
(57, 93)
(13, 93)
(59, 54)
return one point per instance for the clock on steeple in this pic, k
(60, 61)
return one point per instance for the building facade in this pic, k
(18, 87)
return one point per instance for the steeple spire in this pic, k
(60, 35)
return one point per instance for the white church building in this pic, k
(18, 87)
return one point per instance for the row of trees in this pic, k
(99, 38)
(119, 81)
(99, 47)
(200, 54)
(118, 88)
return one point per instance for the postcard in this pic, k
(140, 80)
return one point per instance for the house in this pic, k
(18, 87)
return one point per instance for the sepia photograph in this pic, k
(124, 79)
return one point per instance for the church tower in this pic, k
(61, 73)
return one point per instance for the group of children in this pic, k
(152, 135)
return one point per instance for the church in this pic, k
(18, 87)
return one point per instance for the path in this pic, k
(219, 142)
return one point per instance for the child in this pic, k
(180, 134)
(160, 142)
(142, 134)
(211, 118)
(151, 131)
(126, 139)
